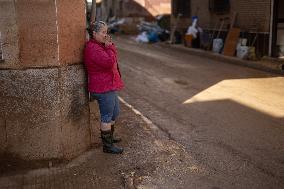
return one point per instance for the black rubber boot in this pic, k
(108, 146)
(114, 140)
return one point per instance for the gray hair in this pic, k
(96, 27)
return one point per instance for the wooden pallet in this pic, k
(231, 42)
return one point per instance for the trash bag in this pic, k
(217, 45)
(113, 25)
(153, 37)
(150, 27)
(142, 38)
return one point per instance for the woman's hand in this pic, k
(108, 40)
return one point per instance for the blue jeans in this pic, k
(108, 105)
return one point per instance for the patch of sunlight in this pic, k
(155, 8)
(265, 95)
(141, 2)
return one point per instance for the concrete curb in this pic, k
(268, 65)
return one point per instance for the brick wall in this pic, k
(257, 11)
(250, 12)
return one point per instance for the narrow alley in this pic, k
(229, 118)
(186, 122)
(142, 94)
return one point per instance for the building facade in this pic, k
(260, 19)
(44, 108)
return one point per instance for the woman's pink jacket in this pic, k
(102, 67)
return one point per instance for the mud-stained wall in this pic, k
(37, 32)
(250, 14)
(75, 117)
(3, 134)
(9, 33)
(44, 111)
(29, 103)
(71, 40)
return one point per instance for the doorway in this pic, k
(277, 47)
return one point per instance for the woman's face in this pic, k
(101, 35)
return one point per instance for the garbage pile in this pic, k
(148, 32)
(151, 33)
(114, 24)
(127, 25)
(225, 38)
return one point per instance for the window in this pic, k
(219, 6)
(181, 7)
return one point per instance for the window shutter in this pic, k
(181, 7)
(219, 6)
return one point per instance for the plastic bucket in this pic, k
(217, 45)
(188, 40)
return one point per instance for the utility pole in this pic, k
(93, 11)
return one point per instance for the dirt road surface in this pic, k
(187, 122)
(229, 118)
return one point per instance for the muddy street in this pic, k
(186, 122)
(229, 118)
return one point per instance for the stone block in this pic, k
(71, 31)
(9, 34)
(38, 35)
(3, 134)
(46, 112)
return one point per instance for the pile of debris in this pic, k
(125, 25)
(151, 32)
(231, 44)
(146, 31)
